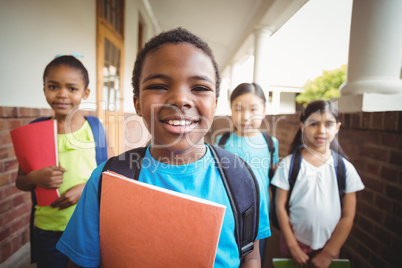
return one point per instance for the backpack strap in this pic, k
(293, 172)
(127, 164)
(271, 149)
(243, 195)
(40, 119)
(100, 138)
(340, 171)
(223, 139)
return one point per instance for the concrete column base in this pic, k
(369, 102)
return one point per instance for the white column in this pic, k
(260, 76)
(375, 53)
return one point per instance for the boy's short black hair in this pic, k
(68, 61)
(175, 36)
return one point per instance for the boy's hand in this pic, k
(69, 198)
(299, 257)
(49, 177)
(321, 260)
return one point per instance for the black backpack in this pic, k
(239, 181)
(294, 168)
(269, 141)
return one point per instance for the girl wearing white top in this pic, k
(316, 226)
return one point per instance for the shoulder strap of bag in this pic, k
(271, 149)
(127, 164)
(100, 138)
(243, 195)
(224, 138)
(340, 171)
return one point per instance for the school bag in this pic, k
(101, 156)
(268, 140)
(239, 181)
(294, 169)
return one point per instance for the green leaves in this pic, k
(324, 87)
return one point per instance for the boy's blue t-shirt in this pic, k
(80, 240)
(255, 152)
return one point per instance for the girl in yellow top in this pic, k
(65, 86)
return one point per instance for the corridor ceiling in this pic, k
(227, 25)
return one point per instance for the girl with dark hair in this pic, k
(65, 85)
(247, 141)
(314, 220)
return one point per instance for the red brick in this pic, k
(389, 139)
(4, 152)
(366, 137)
(370, 212)
(383, 203)
(377, 122)
(23, 112)
(391, 256)
(375, 153)
(4, 234)
(4, 179)
(366, 120)
(377, 261)
(16, 213)
(10, 165)
(356, 120)
(393, 192)
(10, 111)
(366, 239)
(390, 174)
(5, 251)
(15, 123)
(347, 119)
(16, 244)
(18, 200)
(5, 206)
(373, 184)
(396, 158)
(17, 226)
(364, 223)
(11, 152)
(399, 121)
(4, 125)
(35, 112)
(390, 121)
(365, 195)
(373, 168)
(5, 138)
(393, 224)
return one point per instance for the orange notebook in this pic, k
(142, 225)
(35, 147)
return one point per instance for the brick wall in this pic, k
(15, 205)
(373, 142)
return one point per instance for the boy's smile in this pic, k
(177, 98)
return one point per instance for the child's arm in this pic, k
(299, 257)
(49, 177)
(69, 198)
(253, 259)
(340, 234)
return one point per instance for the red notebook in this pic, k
(35, 147)
(142, 225)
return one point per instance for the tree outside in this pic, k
(324, 87)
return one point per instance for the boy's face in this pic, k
(177, 97)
